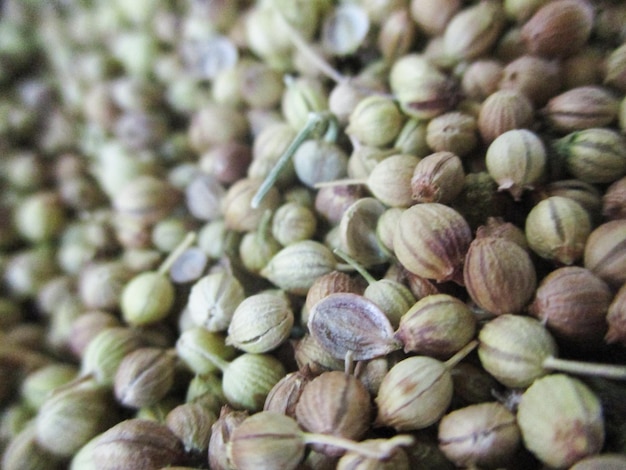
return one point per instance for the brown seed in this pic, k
(345, 323)
(347, 415)
(499, 275)
(559, 28)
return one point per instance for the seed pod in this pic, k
(206, 389)
(357, 229)
(139, 444)
(72, 415)
(438, 177)
(431, 241)
(438, 325)
(100, 285)
(484, 434)
(616, 318)
(228, 161)
(513, 348)
(221, 432)
(585, 194)
(334, 281)
(332, 201)
(86, 327)
(295, 267)
(481, 78)
(317, 161)
(310, 355)
(503, 111)
(614, 200)
(39, 384)
(421, 89)
(454, 132)
(146, 199)
(105, 352)
(40, 217)
(203, 197)
(615, 75)
(376, 121)
(572, 303)
(147, 298)
(432, 16)
(594, 155)
(472, 384)
(345, 323)
(293, 222)
(216, 124)
(23, 452)
(561, 420)
(238, 213)
(581, 108)
(260, 323)
(266, 440)
(557, 229)
(474, 30)
(414, 394)
(605, 253)
(191, 423)
(285, 395)
(537, 78)
(302, 96)
(412, 139)
(497, 228)
(144, 377)
(197, 347)
(397, 34)
(392, 297)
(499, 275)
(559, 29)
(516, 160)
(348, 416)
(248, 379)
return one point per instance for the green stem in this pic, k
(586, 368)
(313, 123)
(352, 262)
(460, 355)
(173, 256)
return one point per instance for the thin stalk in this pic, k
(304, 47)
(313, 123)
(353, 263)
(378, 451)
(608, 371)
(341, 182)
(460, 355)
(173, 256)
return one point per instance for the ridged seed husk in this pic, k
(431, 241)
(414, 394)
(561, 420)
(266, 440)
(485, 434)
(512, 348)
(345, 323)
(347, 415)
(499, 275)
(437, 325)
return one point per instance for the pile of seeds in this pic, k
(312, 234)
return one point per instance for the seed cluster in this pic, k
(312, 234)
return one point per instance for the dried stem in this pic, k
(379, 451)
(354, 264)
(173, 256)
(608, 371)
(460, 355)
